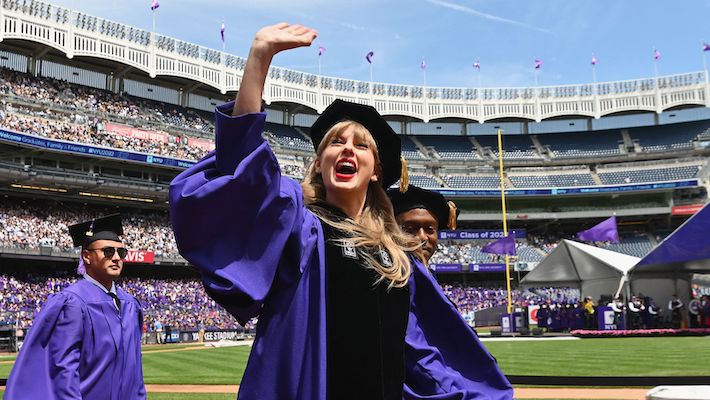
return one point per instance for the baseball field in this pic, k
(200, 365)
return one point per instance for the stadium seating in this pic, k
(472, 181)
(288, 137)
(451, 147)
(515, 146)
(580, 145)
(660, 174)
(673, 137)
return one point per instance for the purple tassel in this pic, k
(81, 268)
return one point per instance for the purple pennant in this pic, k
(321, 50)
(656, 54)
(369, 56)
(538, 63)
(505, 245)
(154, 5)
(605, 231)
(221, 32)
(423, 65)
(594, 60)
(706, 47)
(477, 65)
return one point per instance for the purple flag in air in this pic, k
(221, 31)
(706, 47)
(477, 65)
(321, 50)
(154, 5)
(538, 63)
(656, 54)
(594, 60)
(505, 245)
(423, 64)
(369, 56)
(605, 231)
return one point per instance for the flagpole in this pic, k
(223, 38)
(505, 217)
(153, 13)
(372, 89)
(424, 72)
(705, 63)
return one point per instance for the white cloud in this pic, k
(491, 17)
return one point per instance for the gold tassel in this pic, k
(404, 180)
(452, 215)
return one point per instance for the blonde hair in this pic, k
(377, 226)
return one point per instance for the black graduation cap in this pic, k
(105, 228)
(444, 211)
(388, 144)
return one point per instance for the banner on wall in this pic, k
(129, 131)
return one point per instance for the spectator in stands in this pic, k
(87, 332)
(348, 221)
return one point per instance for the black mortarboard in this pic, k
(388, 144)
(105, 228)
(444, 211)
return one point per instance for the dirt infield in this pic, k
(520, 393)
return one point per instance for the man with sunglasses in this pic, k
(86, 341)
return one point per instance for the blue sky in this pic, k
(506, 36)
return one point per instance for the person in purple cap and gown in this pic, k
(336, 284)
(86, 341)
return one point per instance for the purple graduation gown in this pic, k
(80, 348)
(261, 253)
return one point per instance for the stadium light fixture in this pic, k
(42, 188)
(115, 197)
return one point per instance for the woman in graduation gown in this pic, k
(346, 310)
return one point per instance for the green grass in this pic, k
(586, 357)
(219, 366)
(605, 357)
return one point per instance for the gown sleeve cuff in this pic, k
(236, 136)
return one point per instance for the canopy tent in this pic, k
(593, 270)
(687, 249)
(668, 269)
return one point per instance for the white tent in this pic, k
(593, 270)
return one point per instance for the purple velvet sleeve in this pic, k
(445, 360)
(241, 223)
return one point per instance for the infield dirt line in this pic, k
(521, 393)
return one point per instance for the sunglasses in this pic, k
(110, 251)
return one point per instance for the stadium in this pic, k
(98, 117)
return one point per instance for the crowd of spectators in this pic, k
(475, 298)
(33, 224)
(54, 92)
(178, 303)
(29, 225)
(79, 128)
(183, 303)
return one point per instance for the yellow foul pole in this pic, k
(505, 218)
